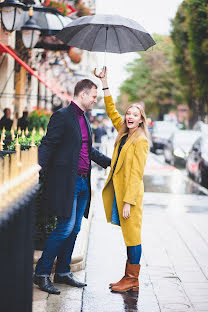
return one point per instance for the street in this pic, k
(174, 270)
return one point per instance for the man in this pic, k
(65, 155)
(23, 121)
(6, 121)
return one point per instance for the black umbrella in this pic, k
(106, 33)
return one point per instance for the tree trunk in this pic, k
(194, 115)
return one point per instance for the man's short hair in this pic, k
(85, 84)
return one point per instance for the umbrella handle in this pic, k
(100, 76)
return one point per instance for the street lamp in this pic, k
(56, 66)
(30, 31)
(11, 14)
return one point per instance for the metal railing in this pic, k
(18, 188)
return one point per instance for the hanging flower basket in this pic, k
(82, 9)
(62, 8)
(75, 55)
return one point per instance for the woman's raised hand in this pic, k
(103, 77)
(103, 74)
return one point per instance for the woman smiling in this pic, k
(123, 190)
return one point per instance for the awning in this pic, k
(55, 89)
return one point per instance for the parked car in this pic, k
(197, 161)
(161, 132)
(201, 126)
(178, 146)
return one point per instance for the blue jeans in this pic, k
(61, 241)
(134, 254)
(115, 216)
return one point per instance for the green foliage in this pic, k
(182, 58)
(190, 37)
(197, 15)
(152, 78)
(25, 142)
(38, 119)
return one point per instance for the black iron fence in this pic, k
(18, 188)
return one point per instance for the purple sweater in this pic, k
(84, 161)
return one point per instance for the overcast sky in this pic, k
(153, 15)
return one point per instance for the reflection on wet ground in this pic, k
(163, 178)
(130, 301)
(174, 184)
(175, 216)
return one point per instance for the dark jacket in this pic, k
(98, 133)
(59, 156)
(22, 123)
(6, 122)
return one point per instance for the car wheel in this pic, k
(204, 179)
(198, 176)
(153, 150)
(172, 161)
(188, 172)
(166, 160)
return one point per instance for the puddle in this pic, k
(172, 184)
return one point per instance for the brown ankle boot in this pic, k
(116, 284)
(130, 281)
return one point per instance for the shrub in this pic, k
(25, 142)
(38, 119)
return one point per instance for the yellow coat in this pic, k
(127, 180)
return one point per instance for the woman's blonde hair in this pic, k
(143, 125)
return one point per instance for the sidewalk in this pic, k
(174, 270)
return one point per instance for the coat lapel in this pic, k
(121, 156)
(75, 119)
(89, 130)
(123, 153)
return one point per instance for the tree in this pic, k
(153, 79)
(197, 15)
(182, 59)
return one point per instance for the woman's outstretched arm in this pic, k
(111, 110)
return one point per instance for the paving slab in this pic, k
(70, 298)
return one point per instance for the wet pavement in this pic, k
(174, 266)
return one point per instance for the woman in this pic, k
(123, 190)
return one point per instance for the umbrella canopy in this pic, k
(106, 33)
(49, 22)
